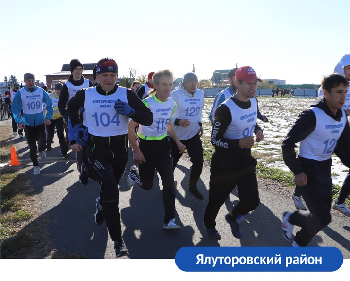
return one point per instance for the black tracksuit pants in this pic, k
(317, 195)
(15, 126)
(195, 151)
(58, 124)
(158, 156)
(223, 180)
(35, 134)
(108, 172)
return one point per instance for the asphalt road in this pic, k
(70, 206)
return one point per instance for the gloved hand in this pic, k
(124, 108)
(81, 134)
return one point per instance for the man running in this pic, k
(187, 123)
(319, 130)
(342, 68)
(232, 163)
(107, 109)
(154, 149)
(76, 81)
(30, 99)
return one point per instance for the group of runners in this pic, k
(159, 123)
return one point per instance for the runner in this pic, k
(76, 81)
(318, 129)
(226, 94)
(30, 99)
(143, 90)
(154, 148)
(187, 123)
(343, 68)
(106, 141)
(56, 122)
(232, 163)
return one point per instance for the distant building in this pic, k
(176, 83)
(63, 75)
(220, 76)
(276, 81)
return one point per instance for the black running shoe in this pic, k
(83, 177)
(234, 226)
(120, 248)
(194, 192)
(213, 233)
(99, 219)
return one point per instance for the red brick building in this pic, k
(63, 75)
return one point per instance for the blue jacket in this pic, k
(31, 119)
(219, 99)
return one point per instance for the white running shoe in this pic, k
(14, 134)
(287, 228)
(171, 225)
(342, 208)
(42, 156)
(298, 202)
(36, 170)
(133, 175)
(21, 136)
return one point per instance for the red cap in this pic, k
(247, 74)
(150, 75)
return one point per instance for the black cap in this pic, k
(74, 63)
(58, 86)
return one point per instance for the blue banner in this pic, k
(259, 259)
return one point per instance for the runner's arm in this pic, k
(172, 134)
(303, 126)
(74, 104)
(62, 102)
(222, 119)
(143, 115)
(138, 157)
(140, 91)
(17, 107)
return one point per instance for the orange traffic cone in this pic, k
(14, 160)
